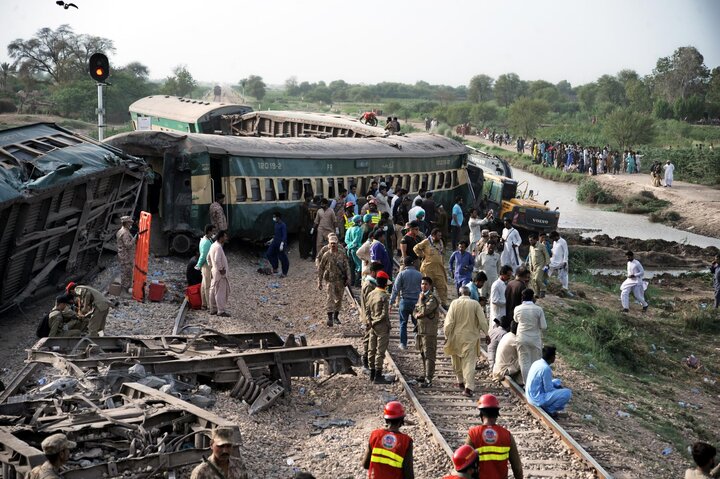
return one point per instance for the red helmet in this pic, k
(349, 204)
(488, 401)
(463, 457)
(394, 410)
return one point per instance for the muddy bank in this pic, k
(667, 253)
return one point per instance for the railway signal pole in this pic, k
(99, 69)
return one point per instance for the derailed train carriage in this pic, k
(61, 196)
(261, 175)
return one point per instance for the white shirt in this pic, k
(669, 169)
(559, 253)
(412, 214)
(497, 300)
(216, 259)
(510, 255)
(531, 321)
(634, 268)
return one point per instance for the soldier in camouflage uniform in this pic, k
(377, 310)
(63, 321)
(126, 253)
(221, 464)
(217, 214)
(433, 263)
(538, 263)
(57, 451)
(426, 314)
(368, 286)
(333, 268)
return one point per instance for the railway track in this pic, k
(546, 449)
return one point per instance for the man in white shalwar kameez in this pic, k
(511, 242)
(634, 283)
(669, 170)
(219, 286)
(559, 260)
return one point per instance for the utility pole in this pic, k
(101, 113)
(99, 69)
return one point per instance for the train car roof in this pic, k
(421, 145)
(183, 109)
(40, 155)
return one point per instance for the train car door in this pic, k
(219, 182)
(475, 184)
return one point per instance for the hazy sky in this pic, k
(366, 41)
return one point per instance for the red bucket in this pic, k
(157, 291)
(193, 295)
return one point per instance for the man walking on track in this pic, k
(433, 264)
(333, 268)
(126, 253)
(495, 444)
(426, 314)
(220, 285)
(465, 326)
(377, 309)
(390, 452)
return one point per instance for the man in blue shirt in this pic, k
(542, 390)
(378, 253)
(352, 198)
(407, 284)
(456, 222)
(203, 266)
(277, 246)
(461, 265)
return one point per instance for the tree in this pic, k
(565, 89)
(526, 115)
(483, 113)
(629, 128)
(587, 94)
(6, 71)
(254, 86)
(61, 54)
(392, 107)
(680, 75)
(508, 88)
(610, 90)
(627, 75)
(459, 113)
(445, 95)
(662, 110)
(181, 83)
(291, 86)
(543, 90)
(690, 109)
(713, 92)
(480, 88)
(638, 95)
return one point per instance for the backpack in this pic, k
(43, 329)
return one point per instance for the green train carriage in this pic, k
(262, 175)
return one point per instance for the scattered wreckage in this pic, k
(103, 393)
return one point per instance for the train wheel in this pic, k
(181, 243)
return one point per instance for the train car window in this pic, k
(270, 190)
(241, 189)
(455, 181)
(415, 183)
(297, 190)
(363, 186)
(255, 189)
(351, 181)
(283, 187)
(424, 182)
(319, 187)
(431, 181)
(307, 187)
(448, 180)
(340, 184)
(440, 180)
(406, 182)
(331, 188)
(191, 128)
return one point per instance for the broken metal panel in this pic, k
(140, 430)
(296, 124)
(60, 195)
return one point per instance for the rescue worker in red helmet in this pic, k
(389, 452)
(494, 444)
(465, 460)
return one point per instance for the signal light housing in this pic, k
(99, 67)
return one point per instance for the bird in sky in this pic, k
(66, 5)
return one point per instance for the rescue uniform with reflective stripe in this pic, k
(493, 446)
(388, 451)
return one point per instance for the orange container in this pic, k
(157, 291)
(193, 296)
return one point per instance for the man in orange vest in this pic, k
(389, 452)
(494, 444)
(465, 460)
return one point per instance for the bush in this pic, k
(7, 106)
(590, 191)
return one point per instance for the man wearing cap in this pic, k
(494, 444)
(333, 268)
(407, 286)
(326, 248)
(539, 264)
(217, 214)
(369, 283)
(417, 207)
(465, 325)
(489, 262)
(377, 309)
(407, 243)
(353, 241)
(126, 253)
(63, 321)
(433, 264)
(221, 464)
(426, 315)
(94, 306)
(390, 452)
(465, 460)
(57, 452)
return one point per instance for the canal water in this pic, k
(578, 215)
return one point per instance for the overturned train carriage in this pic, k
(61, 197)
(262, 175)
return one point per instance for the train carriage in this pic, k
(263, 175)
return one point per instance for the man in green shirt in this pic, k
(203, 266)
